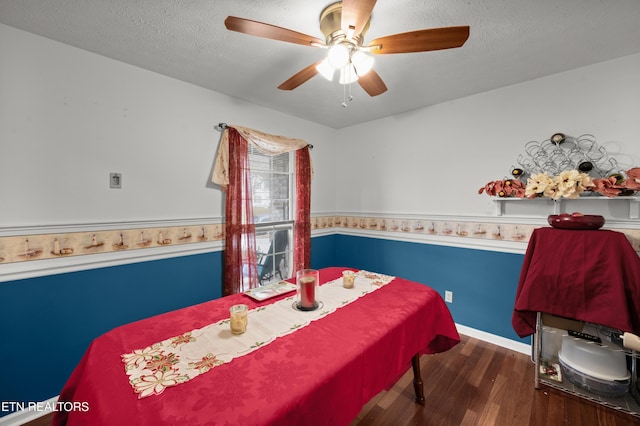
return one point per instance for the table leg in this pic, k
(418, 386)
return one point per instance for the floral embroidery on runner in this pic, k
(206, 363)
(181, 358)
(181, 340)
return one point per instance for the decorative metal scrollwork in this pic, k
(560, 153)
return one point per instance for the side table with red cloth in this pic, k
(322, 374)
(591, 276)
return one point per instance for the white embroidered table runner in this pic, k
(182, 358)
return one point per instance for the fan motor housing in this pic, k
(331, 26)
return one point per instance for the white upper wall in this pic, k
(69, 117)
(432, 161)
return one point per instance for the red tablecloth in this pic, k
(322, 374)
(590, 276)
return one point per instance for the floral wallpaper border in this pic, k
(49, 246)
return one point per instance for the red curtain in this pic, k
(302, 226)
(240, 265)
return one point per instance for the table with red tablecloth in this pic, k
(322, 374)
(587, 275)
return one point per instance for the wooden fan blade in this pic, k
(301, 77)
(260, 29)
(356, 13)
(421, 40)
(372, 83)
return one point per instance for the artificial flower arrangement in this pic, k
(568, 184)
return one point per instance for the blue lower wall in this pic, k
(47, 323)
(483, 282)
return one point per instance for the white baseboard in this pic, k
(494, 339)
(24, 416)
(27, 415)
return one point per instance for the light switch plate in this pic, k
(448, 296)
(115, 180)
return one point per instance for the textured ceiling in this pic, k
(511, 41)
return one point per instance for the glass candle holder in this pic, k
(238, 319)
(348, 279)
(307, 285)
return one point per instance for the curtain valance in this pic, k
(264, 142)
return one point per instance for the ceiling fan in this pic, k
(344, 25)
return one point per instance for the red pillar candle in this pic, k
(307, 292)
(308, 280)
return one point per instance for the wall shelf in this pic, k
(561, 205)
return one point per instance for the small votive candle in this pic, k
(348, 279)
(239, 318)
(307, 280)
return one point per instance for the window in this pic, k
(272, 183)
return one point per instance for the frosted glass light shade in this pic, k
(348, 75)
(338, 56)
(362, 62)
(326, 70)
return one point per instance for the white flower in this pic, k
(571, 183)
(538, 184)
(552, 191)
(585, 182)
(568, 184)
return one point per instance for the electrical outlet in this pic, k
(115, 180)
(448, 296)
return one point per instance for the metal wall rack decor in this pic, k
(562, 152)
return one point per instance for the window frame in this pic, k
(270, 227)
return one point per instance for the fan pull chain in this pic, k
(346, 98)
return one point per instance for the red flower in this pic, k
(504, 188)
(633, 179)
(607, 186)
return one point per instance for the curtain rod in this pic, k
(222, 126)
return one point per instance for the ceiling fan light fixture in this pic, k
(362, 62)
(326, 70)
(348, 75)
(344, 25)
(338, 56)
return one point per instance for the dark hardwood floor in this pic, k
(477, 383)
